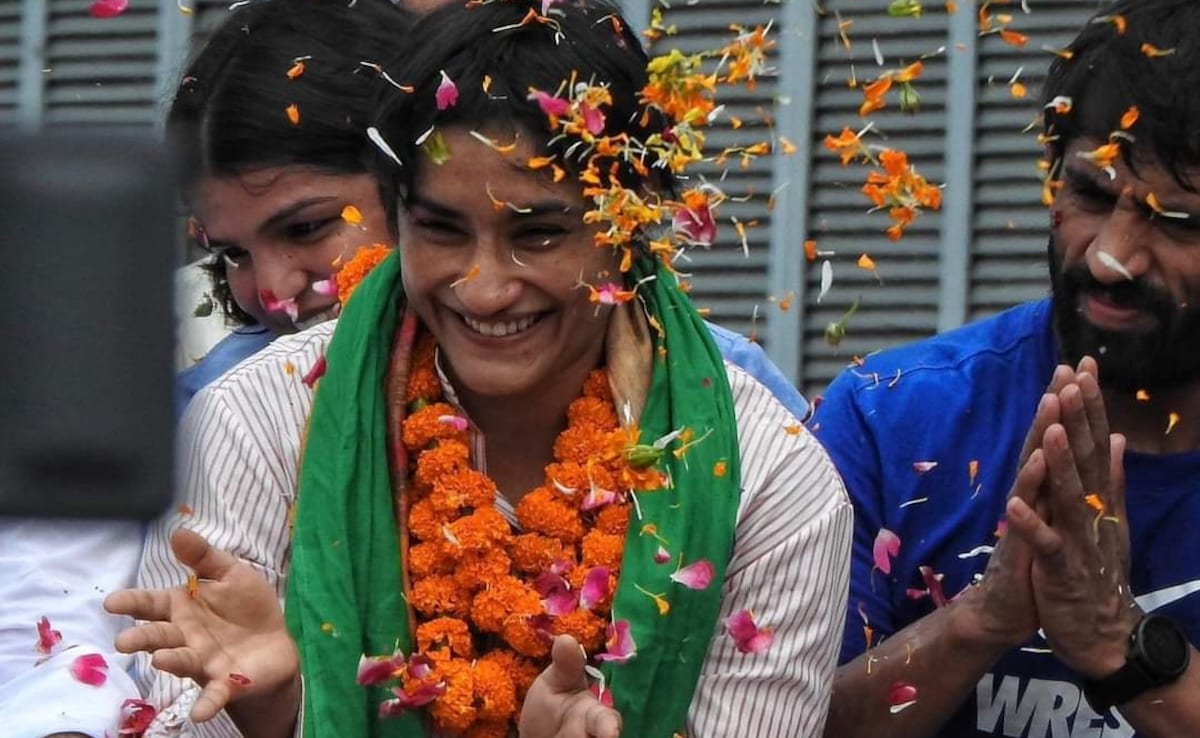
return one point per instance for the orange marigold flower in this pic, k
(440, 596)
(442, 460)
(597, 386)
(424, 522)
(358, 267)
(482, 531)
(533, 553)
(427, 425)
(454, 711)
(640, 480)
(613, 519)
(603, 549)
(525, 639)
(592, 412)
(495, 692)
(521, 671)
(441, 638)
(428, 559)
(504, 599)
(578, 444)
(846, 144)
(477, 570)
(465, 488)
(543, 511)
(584, 626)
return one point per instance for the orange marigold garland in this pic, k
(488, 600)
(354, 271)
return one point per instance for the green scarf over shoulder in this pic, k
(344, 594)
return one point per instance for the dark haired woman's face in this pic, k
(281, 229)
(494, 261)
(1127, 277)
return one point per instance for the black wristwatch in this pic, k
(1158, 655)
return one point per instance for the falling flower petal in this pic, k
(419, 697)
(352, 215)
(550, 105)
(1112, 263)
(697, 575)
(447, 93)
(972, 470)
(593, 118)
(239, 680)
(273, 304)
(1012, 38)
(90, 669)
(595, 588)
(1153, 51)
(326, 287)
(920, 467)
(604, 696)
(1129, 117)
(296, 69)
(377, 139)
(934, 582)
(136, 716)
(662, 555)
(887, 545)
(457, 422)
(108, 8)
(47, 638)
(901, 695)
(826, 279)
(696, 225)
(1172, 421)
(293, 114)
(374, 670)
(747, 636)
(317, 371)
(619, 643)
(1142, 396)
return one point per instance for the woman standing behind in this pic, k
(270, 128)
(518, 435)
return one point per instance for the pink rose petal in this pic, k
(108, 8)
(378, 669)
(619, 644)
(419, 697)
(136, 716)
(273, 304)
(602, 694)
(326, 287)
(317, 371)
(550, 104)
(747, 636)
(697, 575)
(887, 545)
(595, 588)
(920, 467)
(593, 119)
(420, 667)
(447, 93)
(596, 498)
(697, 227)
(662, 555)
(90, 669)
(934, 583)
(457, 422)
(47, 638)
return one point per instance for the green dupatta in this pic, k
(344, 594)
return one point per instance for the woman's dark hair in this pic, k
(1109, 68)
(587, 41)
(230, 113)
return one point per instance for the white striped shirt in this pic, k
(240, 456)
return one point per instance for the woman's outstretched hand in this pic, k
(559, 704)
(225, 630)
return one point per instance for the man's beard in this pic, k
(1164, 357)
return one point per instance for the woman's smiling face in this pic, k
(495, 258)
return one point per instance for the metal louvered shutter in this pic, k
(101, 70)
(1009, 225)
(904, 306)
(726, 282)
(10, 57)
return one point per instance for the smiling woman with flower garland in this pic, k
(531, 493)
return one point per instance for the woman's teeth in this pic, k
(500, 329)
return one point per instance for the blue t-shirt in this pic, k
(964, 400)
(230, 351)
(245, 342)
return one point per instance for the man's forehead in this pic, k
(1147, 168)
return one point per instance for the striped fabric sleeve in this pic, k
(239, 450)
(790, 568)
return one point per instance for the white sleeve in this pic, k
(239, 449)
(790, 568)
(61, 570)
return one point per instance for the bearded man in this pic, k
(1027, 488)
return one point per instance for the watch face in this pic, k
(1164, 646)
